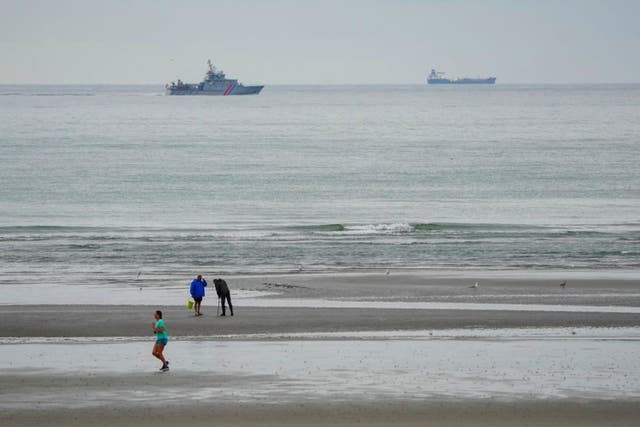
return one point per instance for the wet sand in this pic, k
(263, 315)
(104, 321)
(564, 413)
(92, 397)
(410, 287)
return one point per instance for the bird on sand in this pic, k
(387, 272)
(563, 284)
(138, 276)
(474, 286)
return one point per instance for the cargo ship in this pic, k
(438, 78)
(215, 83)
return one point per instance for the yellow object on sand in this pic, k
(189, 304)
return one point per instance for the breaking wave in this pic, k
(407, 227)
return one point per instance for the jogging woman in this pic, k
(162, 338)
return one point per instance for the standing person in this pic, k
(223, 292)
(162, 338)
(197, 292)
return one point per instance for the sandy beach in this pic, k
(328, 303)
(381, 414)
(354, 349)
(90, 321)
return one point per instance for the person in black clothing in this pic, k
(223, 292)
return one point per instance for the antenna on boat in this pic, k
(210, 65)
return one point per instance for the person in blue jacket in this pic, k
(197, 292)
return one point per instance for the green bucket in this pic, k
(189, 304)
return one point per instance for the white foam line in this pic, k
(599, 333)
(394, 305)
(604, 333)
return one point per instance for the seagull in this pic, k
(563, 284)
(299, 267)
(474, 286)
(387, 272)
(138, 276)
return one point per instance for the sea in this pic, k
(99, 184)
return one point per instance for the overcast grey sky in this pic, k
(298, 42)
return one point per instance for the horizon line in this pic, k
(328, 84)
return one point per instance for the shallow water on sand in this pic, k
(503, 365)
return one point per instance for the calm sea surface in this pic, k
(98, 183)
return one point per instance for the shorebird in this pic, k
(563, 284)
(299, 268)
(387, 272)
(474, 286)
(138, 276)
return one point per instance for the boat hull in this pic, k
(488, 81)
(223, 91)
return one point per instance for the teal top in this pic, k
(161, 335)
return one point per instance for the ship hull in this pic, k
(488, 81)
(222, 91)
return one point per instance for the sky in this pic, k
(318, 42)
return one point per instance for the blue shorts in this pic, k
(162, 341)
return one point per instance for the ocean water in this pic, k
(100, 182)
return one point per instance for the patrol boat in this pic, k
(438, 78)
(214, 83)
